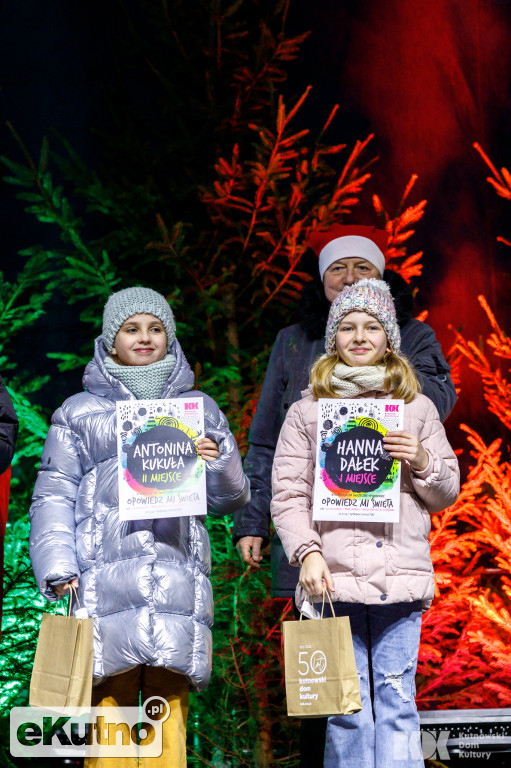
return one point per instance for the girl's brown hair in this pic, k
(400, 378)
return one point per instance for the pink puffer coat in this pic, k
(369, 562)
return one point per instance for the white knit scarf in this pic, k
(351, 381)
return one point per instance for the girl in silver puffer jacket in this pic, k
(145, 582)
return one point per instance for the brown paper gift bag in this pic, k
(320, 669)
(63, 663)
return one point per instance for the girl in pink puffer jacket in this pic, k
(379, 574)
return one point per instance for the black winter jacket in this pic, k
(286, 376)
(8, 428)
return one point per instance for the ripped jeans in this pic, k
(385, 733)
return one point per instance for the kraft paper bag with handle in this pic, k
(63, 663)
(319, 660)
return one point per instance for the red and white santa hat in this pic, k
(348, 241)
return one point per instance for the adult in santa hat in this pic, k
(346, 253)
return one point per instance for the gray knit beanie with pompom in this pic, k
(136, 301)
(367, 295)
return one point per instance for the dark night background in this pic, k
(428, 79)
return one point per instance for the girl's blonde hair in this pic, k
(400, 378)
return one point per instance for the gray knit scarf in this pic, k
(145, 381)
(351, 381)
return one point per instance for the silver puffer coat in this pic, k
(145, 582)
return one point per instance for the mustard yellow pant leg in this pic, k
(174, 688)
(117, 691)
(123, 691)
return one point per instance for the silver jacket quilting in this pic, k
(146, 583)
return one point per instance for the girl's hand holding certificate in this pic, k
(403, 445)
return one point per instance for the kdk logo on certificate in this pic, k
(356, 479)
(160, 472)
